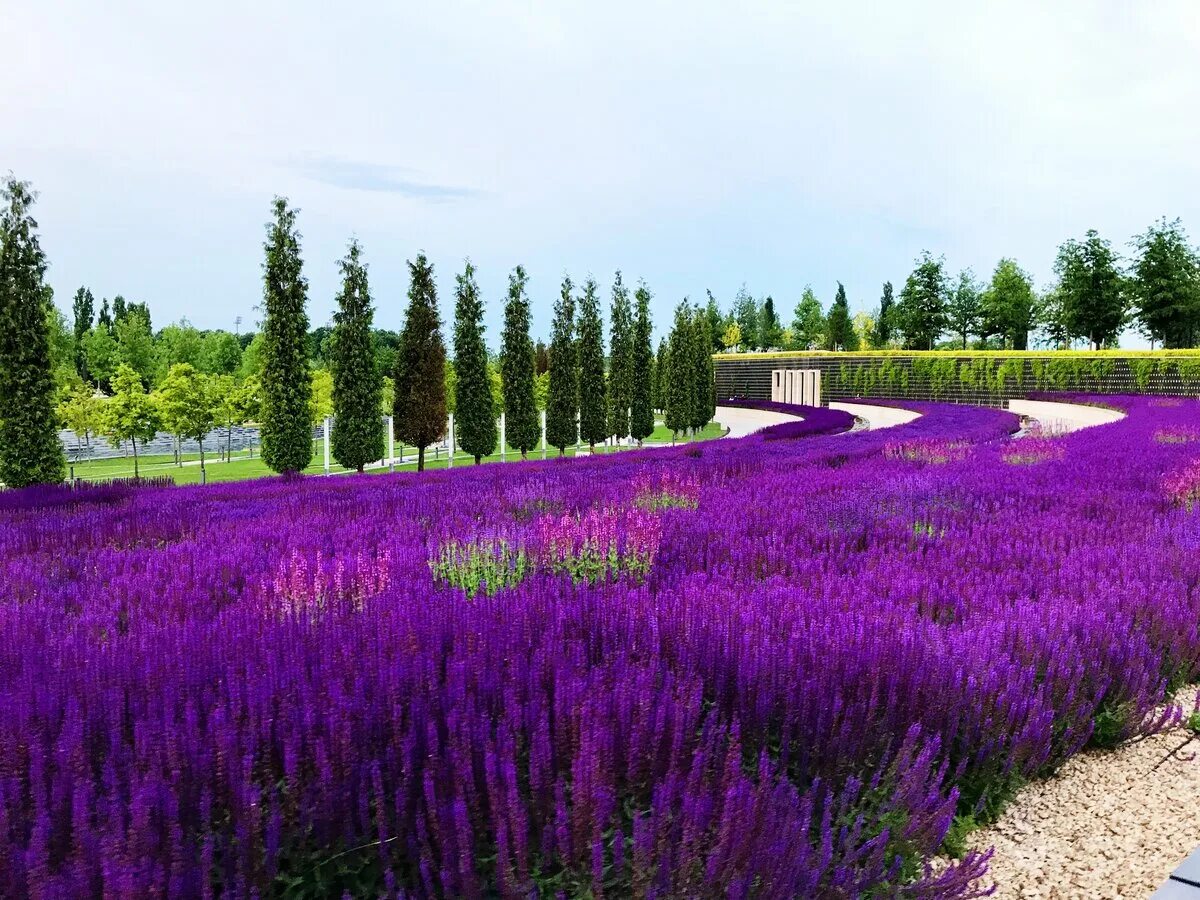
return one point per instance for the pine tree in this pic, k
(593, 397)
(420, 374)
(921, 312)
(641, 376)
(562, 427)
(517, 362)
(770, 328)
(84, 308)
(620, 365)
(680, 387)
(1165, 285)
(285, 388)
(882, 334)
(357, 394)
(716, 322)
(704, 399)
(474, 416)
(660, 375)
(30, 451)
(839, 329)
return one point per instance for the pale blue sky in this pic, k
(694, 145)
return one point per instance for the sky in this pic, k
(696, 146)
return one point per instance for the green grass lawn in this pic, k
(241, 466)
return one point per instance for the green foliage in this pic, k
(1091, 289)
(83, 309)
(1142, 370)
(130, 414)
(177, 343)
(30, 451)
(480, 567)
(921, 312)
(81, 411)
(475, 413)
(593, 399)
(420, 375)
(641, 419)
(1165, 285)
(1010, 306)
(746, 315)
(517, 366)
(286, 389)
(135, 345)
(681, 383)
(562, 429)
(964, 311)
(187, 403)
(770, 328)
(220, 353)
(660, 375)
(882, 334)
(320, 398)
(839, 329)
(357, 388)
(704, 391)
(808, 322)
(620, 365)
(100, 351)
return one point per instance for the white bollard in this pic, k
(328, 424)
(543, 434)
(450, 454)
(391, 447)
(503, 447)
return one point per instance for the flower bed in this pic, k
(744, 668)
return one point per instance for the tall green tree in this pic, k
(220, 353)
(104, 317)
(746, 314)
(921, 312)
(285, 386)
(620, 360)
(475, 412)
(884, 331)
(522, 429)
(420, 375)
(1165, 285)
(680, 376)
(659, 381)
(770, 328)
(1092, 289)
(83, 308)
(593, 395)
(964, 311)
(641, 403)
(135, 343)
(1011, 305)
(705, 390)
(30, 451)
(180, 342)
(808, 322)
(130, 414)
(839, 327)
(100, 348)
(187, 403)
(562, 405)
(358, 436)
(716, 322)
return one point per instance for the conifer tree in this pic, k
(522, 429)
(839, 329)
(882, 334)
(620, 361)
(562, 427)
(770, 328)
(704, 400)
(84, 308)
(680, 375)
(593, 399)
(660, 375)
(30, 451)
(921, 312)
(285, 387)
(420, 375)
(474, 417)
(641, 417)
(357, 393)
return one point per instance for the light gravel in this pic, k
(1108, 825)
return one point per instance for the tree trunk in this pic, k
(360, 468)
(135, 460)
(421, 458)
(478, 459)
(524, 455)
(203, 479)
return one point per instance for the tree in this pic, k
(808, 322)
(518, 363)
(420, 375)
(119, 309)
(641, 374)
(100, 349)
(286, 389)
(660, 375)
(541, 355)
(745, 313)
(83, 307)
(30, 451)
(177, 343)
(839, 327)
(80, 411)
(1165, 285)
(1092, 289)
(130, 414)
(593, 397)
(562, 427)
(104, 317)
(135, 344)
(863, 325)
(187, 400)
(881, 335)
(716, 322)
(921, 312)
(964, 311)
(770, 328)
(681, 382)
(732, 335)
(475, 416)
(220, 353)
(704, 401)
(1010, 304)
(620, 361)
(357, 389)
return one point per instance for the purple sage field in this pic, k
(800, 664)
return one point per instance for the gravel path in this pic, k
(1106, 826)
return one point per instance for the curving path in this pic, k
(742, 422)
(1060, 418)
(877, 416)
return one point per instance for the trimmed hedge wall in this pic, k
(980, 378)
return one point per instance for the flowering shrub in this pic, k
(1031, 449)
(935, 451)
(804, 688)
(1183, 484)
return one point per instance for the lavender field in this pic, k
(798, 664)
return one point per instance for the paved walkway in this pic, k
(742, 422)
(877, 416)
(1060, 418)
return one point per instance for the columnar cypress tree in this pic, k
(474, 417)
(521, 426)
(84, 308)
(620, 361)
(704, 401)
(562, 429)
(358, 436)
(593, 401)
(839, 329)
(420, 375)
(285, 384)
(680, 375)
(660, 375)
(641, 418)
(30, 451)
(882, 335)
